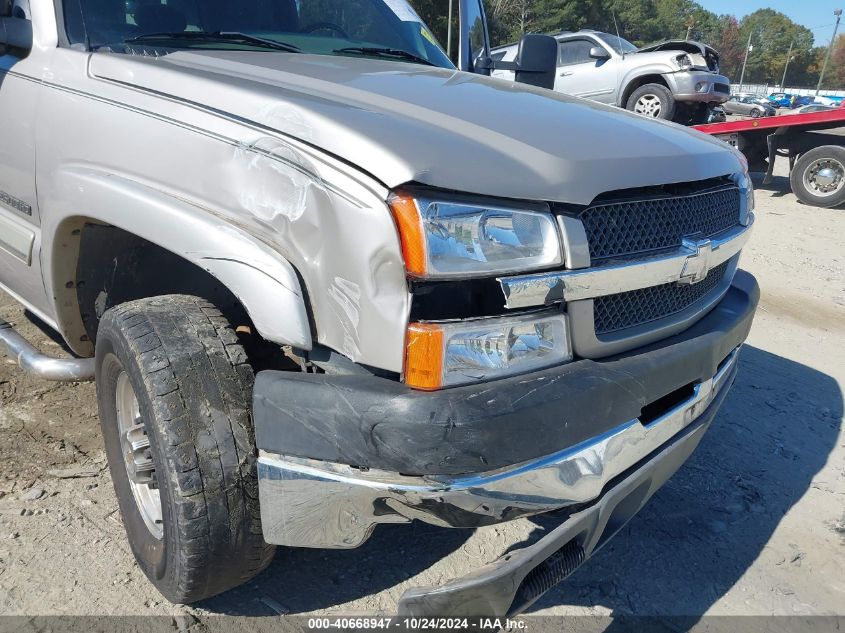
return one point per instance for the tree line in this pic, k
(774, 36)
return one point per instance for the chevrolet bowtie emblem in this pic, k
(698, 264)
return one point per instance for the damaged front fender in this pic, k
(265, 283)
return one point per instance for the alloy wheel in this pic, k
(648, 105)
(137, 457)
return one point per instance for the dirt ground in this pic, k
(753, 524)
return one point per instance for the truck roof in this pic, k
(556, 34)
(574, 32)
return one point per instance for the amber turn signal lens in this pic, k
(424, 356)
(408, 222)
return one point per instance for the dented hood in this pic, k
(406, 123)
(687, 46)
(709, 55)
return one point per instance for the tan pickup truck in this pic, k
(325, 279)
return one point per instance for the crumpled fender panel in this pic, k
(257, 211)
(710, 54)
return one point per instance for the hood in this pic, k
(709, 53)
(405, 123)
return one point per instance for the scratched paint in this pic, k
(274, 181)
(346, 296)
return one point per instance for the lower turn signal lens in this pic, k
(424, 356)
(457, 353)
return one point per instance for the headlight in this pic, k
(746, 191)
(448, 354)
(684, 61)
(443, 238)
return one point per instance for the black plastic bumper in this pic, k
(511, 584)
(378, 423)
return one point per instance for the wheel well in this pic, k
(640, 81)
(115, 266)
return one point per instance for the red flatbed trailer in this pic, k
(816, 158)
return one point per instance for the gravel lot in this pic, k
(753, 524)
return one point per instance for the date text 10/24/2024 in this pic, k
(417, 624)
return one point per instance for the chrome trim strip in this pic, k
(526, 291)
(576, 247)
(308, 503)
(16, 239)
(746, 192)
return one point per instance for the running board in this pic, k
(34, 362)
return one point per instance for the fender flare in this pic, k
(264, 282)
(657, 70)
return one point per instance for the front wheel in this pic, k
(756, 114)
(652, 100)
(174, 389)
(818, 177)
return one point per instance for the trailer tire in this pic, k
(818, 177)
(653, 100)
(174, 390)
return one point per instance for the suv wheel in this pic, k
(174, 390)
(818, 177)
(652, 100)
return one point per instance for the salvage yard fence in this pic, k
(766, 89)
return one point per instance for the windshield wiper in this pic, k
(217, 36)
(385, 52)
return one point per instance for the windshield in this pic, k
(384, 29)
(619, 44)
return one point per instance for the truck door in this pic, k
(19, 220)
(581, 75)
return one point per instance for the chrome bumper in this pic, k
(510, 584)
(698, 86)
(307, 503)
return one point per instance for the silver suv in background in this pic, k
(675, 80)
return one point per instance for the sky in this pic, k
(816, 15)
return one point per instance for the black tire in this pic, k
(691, 113)
(667, 102)
(756, 114)
(193, 388)
(700, 114)
(805, 163)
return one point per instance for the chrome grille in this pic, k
(629, 309)
(633, 227)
